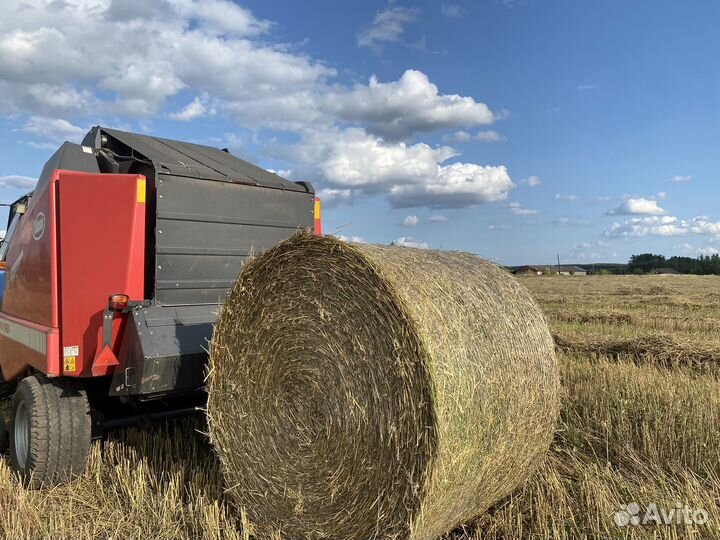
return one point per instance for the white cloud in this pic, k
(412, 175)
(481, 136)
(54, 129)
(43, 99)
(708, 251)
(594, 255)
(647, 226)
(144, 86)
(17, 182)
(565, 198)
(570, 222)
(455, 186)
(679, 179)
(661, 196)
(458, 136)
(531, 181)
(638, 206)
(452, 10)
(409, 241)
(412, 104)
(585, 87)
(411, 221)
(388, 26)
(497, 227)
(354, 239)
(285, 173)
(191, 111)
(438, 219)
(220, 16)
(328, 195)
(703, 226)
(664, 226)
(518, 210)
(355, 159)
(353, 140)
(684, 246)
(203, 45)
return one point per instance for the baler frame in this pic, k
(119, 322)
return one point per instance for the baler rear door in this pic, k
(206, 229)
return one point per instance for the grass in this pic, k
(638, 425)
(165, 486)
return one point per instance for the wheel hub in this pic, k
(22, 434)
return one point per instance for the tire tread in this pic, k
(60, 430)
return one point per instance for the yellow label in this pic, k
(70, 363)
(141, 190)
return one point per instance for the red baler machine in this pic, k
(115, 266)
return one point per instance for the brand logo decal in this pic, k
(39, 226)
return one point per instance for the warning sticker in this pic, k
(71, 351)
(69, 364)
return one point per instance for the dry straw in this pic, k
(659, 349)
(364, 392)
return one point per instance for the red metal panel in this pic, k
(101, 228)
(82, 239)
(25, 343)
(31, 279)
(31, 287)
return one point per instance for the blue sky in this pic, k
(516, 129)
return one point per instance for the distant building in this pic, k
(565, 270)
(528, 271)
(571, 271)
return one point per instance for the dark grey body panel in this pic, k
(69, 157)
(205, 230)
(164, 351)
(193, 160)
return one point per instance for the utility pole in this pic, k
(558, 258)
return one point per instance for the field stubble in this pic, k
(641, 407)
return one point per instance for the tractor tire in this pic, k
(50, 430)
(3, 436)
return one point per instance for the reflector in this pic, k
(317, 216)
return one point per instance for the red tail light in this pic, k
(119, 302)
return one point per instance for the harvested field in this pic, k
(656, 349)
(630, 431)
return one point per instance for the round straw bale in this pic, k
(360, 391)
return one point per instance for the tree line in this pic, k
(648, 263)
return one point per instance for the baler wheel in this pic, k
(50, 430)
(3, 436)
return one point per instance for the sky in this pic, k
(519, 130)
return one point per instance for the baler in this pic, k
(116, 265)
